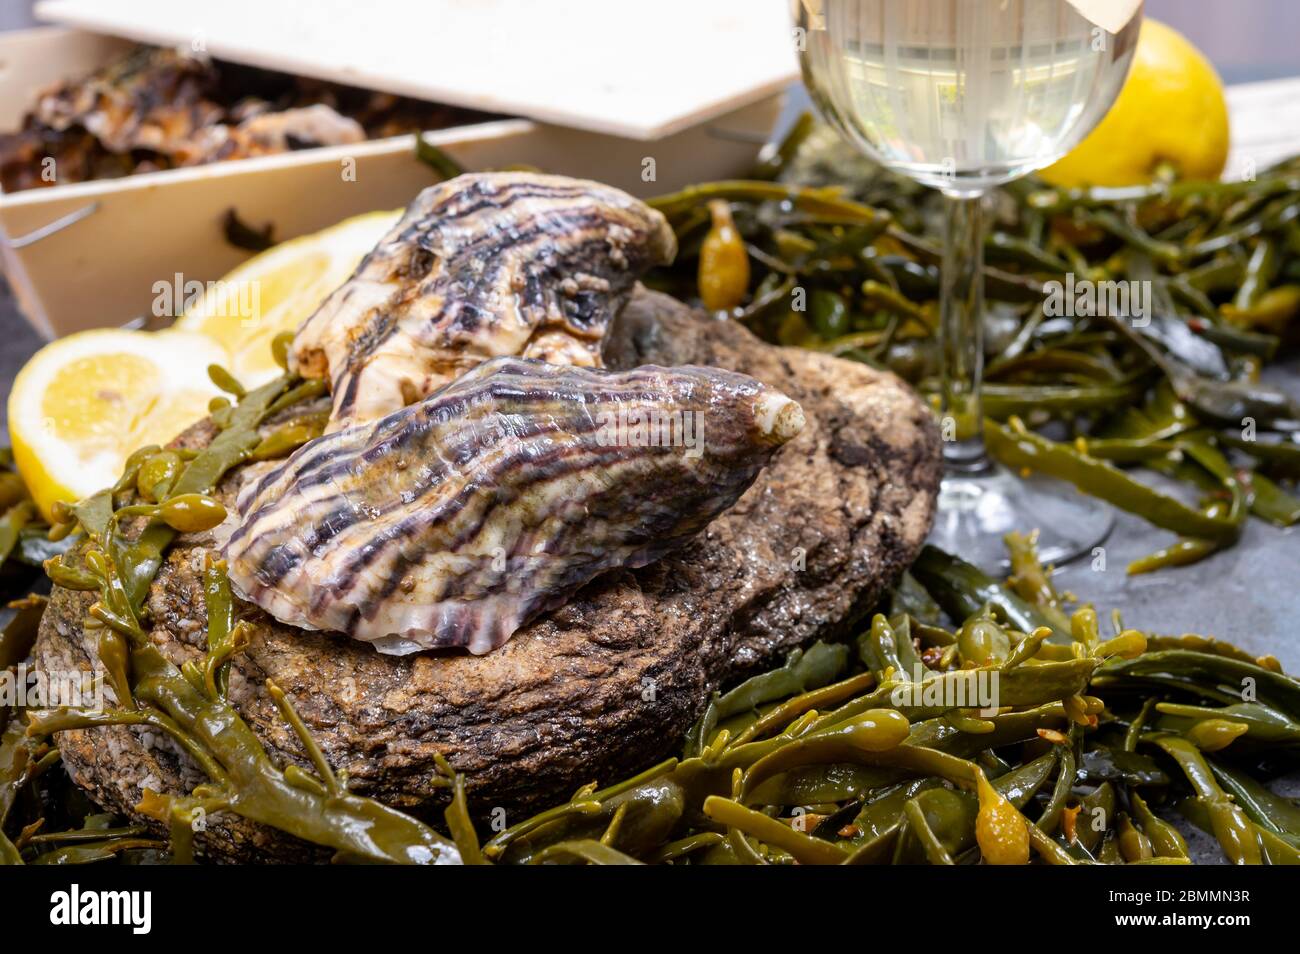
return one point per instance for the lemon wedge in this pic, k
(276, 290)
(84, 403)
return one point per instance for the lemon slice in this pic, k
(84, 403)
(277, 290)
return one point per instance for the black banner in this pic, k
(142, 905)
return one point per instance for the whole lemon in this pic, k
(1171, 110)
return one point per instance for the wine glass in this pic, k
(962, 96)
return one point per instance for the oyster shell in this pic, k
(454, 521)
(482, 265)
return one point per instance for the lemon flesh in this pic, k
(279, 289)
(84, 403)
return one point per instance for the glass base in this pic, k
(976, 510)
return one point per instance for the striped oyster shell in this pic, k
(456, 520)
(482, 265)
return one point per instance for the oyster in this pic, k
(480, 266)
(454, 521)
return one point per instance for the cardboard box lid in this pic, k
(625, 67)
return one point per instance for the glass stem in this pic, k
(961, 336)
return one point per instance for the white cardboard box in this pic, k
(87, 255)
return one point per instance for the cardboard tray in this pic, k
(87, 255)
(638, 70)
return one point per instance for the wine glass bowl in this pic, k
(963, 96)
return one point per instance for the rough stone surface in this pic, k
(610, 682)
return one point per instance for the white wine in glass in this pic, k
(962, 96)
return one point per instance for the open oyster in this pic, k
(482, 265)
(454, 521)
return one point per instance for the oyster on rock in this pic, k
(480, 266)
(454, 521)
